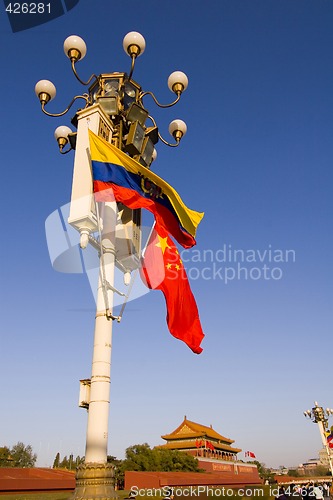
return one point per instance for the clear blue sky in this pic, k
(257, 159)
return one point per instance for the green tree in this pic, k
(56, 461)
(321, 470)
(5, 457)
(173, 460)
(68, 463)
(264, 473)
(71, 463)
(293, 473)
(119, 476)
(64, 463)
(79, 460)
(22, 455)
(141, 457)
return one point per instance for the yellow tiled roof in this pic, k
(189, 430)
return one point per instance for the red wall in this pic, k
(35, 479)
(234, 467)
(245, 476)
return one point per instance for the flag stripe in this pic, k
(104, 172)
(115, 160)
(132, 199)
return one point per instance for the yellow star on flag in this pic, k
(163, 243)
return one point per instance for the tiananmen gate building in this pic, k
(200, 441)
(215, 454)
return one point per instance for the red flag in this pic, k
(250, 454)
(162, 269)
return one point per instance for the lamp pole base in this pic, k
(94, 482)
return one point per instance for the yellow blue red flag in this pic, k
(138, 187)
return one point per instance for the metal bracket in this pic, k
(109, 316)
(107, 286)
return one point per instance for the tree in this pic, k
(71, 463)
(174, 460)
(56, 461)
(22, 455)
(64, 464)
(119, 476)
(67, 463)
(264, 473)
(321, 470)
(141, 457)
(79, 460)
(5, 458)
(293, 473)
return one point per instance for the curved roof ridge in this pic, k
(196, 428)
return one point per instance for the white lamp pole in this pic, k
(98, 414)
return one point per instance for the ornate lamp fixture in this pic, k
(121, 99)
(320, 416)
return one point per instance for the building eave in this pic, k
(196, 431)
(192, 446)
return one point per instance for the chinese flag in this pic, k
(210, 445)
(162, 269)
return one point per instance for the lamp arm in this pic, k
(168, 143)
(65, 152)
(78, 78)
(142, 94)
(85, 97)
(133, 57)
(160, 137)
(152, 119)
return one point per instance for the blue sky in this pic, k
(257, 159)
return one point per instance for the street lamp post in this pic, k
(320, 417)
(113, 108)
